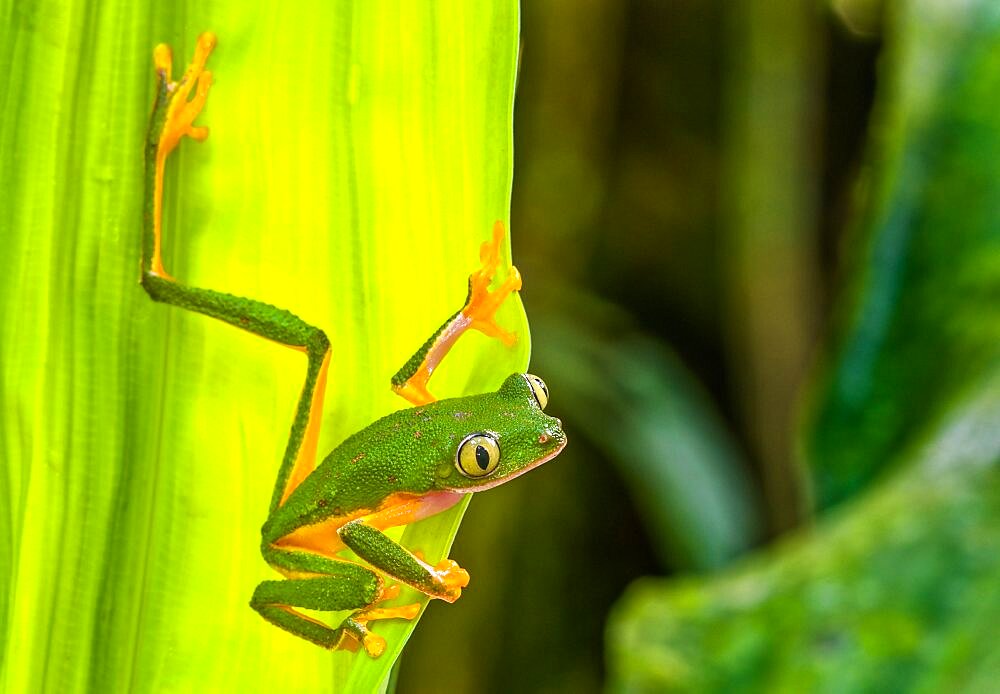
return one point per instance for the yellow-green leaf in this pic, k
(359, 154)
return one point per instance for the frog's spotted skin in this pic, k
(406, 466)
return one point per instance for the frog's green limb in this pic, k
(319, 583)
(172, 118)
(478, 314)
(444, 581)
(343, 637)
(276, 601)
(294, 562)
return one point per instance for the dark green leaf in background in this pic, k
(632, 399)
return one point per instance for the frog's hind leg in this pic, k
(276, 601)
(319, 583)
(478, 313)
(174, 111)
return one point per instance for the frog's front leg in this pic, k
(318, 583)
(444, 581)
(478, 314)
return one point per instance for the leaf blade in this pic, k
(167, 428)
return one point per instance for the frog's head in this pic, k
(518, 437)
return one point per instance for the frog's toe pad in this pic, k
(452, 577)
(374, 644)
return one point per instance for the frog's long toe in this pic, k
(374, 612)
(482, 304)
(182, 111)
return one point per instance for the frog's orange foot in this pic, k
(356, 631)
(452, 579)
(399, 612)
(182, 111)
(374, 644)
(482, 305)
(373, 612)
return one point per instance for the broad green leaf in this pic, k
(359, 154)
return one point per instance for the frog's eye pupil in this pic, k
(482, 458)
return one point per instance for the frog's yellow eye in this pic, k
(478, 455)
(539, 388)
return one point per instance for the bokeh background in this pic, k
(762, 267)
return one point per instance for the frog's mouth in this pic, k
(490, 483)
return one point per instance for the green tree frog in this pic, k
(406, 466)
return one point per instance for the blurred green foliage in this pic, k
(895, 590)
(921, 325)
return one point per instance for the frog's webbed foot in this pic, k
(355, 628)
(481, 306)
(452, 579)
(448, 576)
(374, 612)
(174, 111)
(478, 313)
(182, 109)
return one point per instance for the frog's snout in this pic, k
(553, 433)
